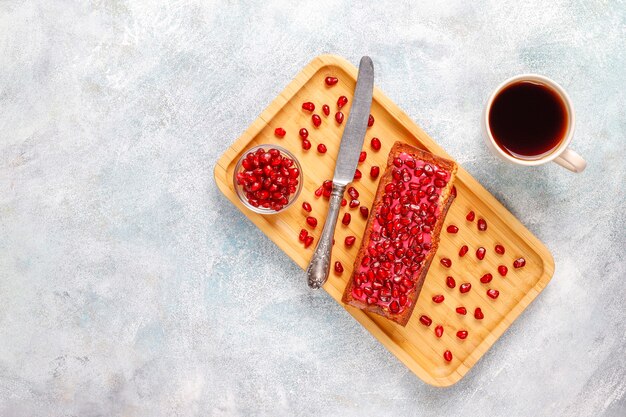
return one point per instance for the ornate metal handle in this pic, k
(317, 271)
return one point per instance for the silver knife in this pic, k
(347, 160)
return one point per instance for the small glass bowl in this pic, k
(241, 193)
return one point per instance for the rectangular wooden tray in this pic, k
(415, 345)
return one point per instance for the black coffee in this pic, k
(528, 119)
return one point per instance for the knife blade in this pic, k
(347, 160)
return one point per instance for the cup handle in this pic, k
(571, 160)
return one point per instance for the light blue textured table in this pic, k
(130, 287)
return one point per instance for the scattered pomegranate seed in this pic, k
(502, 270)
(357, 174)
(326, 194)
(447, 355)
(452, 229)
(482, 225)
(461, 334)
(352, 192)
(354, 203)
(308, 241)
(365, 212)
(317, 120)
(342, 101)
(362, 156)
(304, 133)
(349, 241)
(461, 310)
(311, 221)
(330, 81)
(465, 287)
(375, 144)
(346, 219)
(493, 293)
(470, 216)
(438, 298)
(308, 106)
(519, 263)
(439, 330)
(478, 314)
(321, 148)
(339, 117)
(325, 109)
(280, 132)
(463, 250)
(338, 267)
(374, 172)
(425, 320)
(318, 192)
(328, 185)
(303, 234)
(480, 253)
(486, 278)
(344, 202)
(306, 144)
(450, 282)
(306, 206)
(446, 262)
(499, 249)
(370, 121)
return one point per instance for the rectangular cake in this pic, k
(402, 233)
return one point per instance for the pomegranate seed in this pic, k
(439, 330)
(303, 235)
(342, 101)
(357, 174)
(317, 120)
(482, 225)
(321, 148)
(450, 282)
(375, 144)
(362, 156)
(344, 202)
(325, 109)
(338, 267)
(452, 229)
(463, 250)
(519, 263)
(394, 307)
(425, 320)
(461, 334)
(304, 133)
(330, 81)
(306, 144)
(365, 212)
(446, 262)
(465, 287)
(470, 216)
(346, 219)
(502, 270)
(486, 278)
(438, 298)
(480, 253)
(374, 172)
(349, 241)
(461, 310)
(499, 249)
(493, 293)
(311, 221)
(318, 192)
(339, 117)
(354, 203)
(280, 132)
(352, 192)
(308, 241)
(370, 121)
(452, 190)
(447, 355)
(306, 206)
(308, 106)
(478, 314)
(328, 185)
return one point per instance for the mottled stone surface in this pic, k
(130, 287)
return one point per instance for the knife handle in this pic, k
(317, 271)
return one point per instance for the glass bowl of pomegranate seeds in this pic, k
(268, 179)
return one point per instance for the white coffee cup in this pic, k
(561, 154)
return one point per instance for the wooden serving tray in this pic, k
(415, 345)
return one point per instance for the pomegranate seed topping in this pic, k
(482, 225)
(499, 249)
(447, 355)
(318, 192)
(478, 314)
(317, 120)
(306, 206)
(339, 117)
(325, 109)
(357, 174)
(519, 263)
(307, 241)
(311, 221)
(362, 156)
(480, 253)
(394, 307)
(338, 267)
(463, 250)
(439, 330)
(354, 203)
(321, 148)
(330, 81)
(346, 219)
(486, 278)
(452, 229)
(304, 133)
(438, 298)
(461, 310)
(344, 202)
(493, 293)
(342, 101)
(425, 320)
(352, 192)
(365, 212)
(461, 334)
(465, 287)
(502, 270)
(349, 241)
(306, 144)
(446, 262)
(450, 282)
(470, 216)
(374, 172)
(280, 132)
(308, 106)
(303, 235)
(375, 144)
(370, 121)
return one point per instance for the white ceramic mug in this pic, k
(561, 154)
